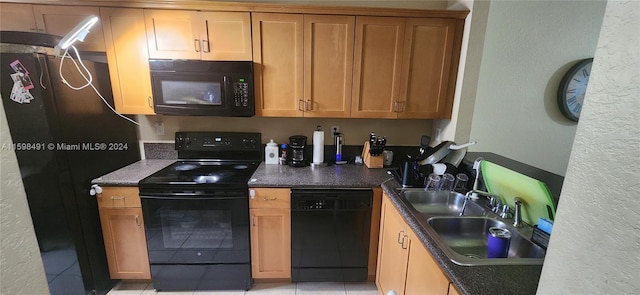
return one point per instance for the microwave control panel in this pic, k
(241, 94)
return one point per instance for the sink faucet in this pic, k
(494, 200)
(517, 215)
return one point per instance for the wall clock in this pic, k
(572, 89)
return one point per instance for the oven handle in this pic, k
(190, 197)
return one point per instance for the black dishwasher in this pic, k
(330, 231)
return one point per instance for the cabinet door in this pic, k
(17, 17)
(173, 34)
(427, 61)
(59, 20)
(424, 276)
(226, 36)
(277, 56)
(125, 243)
(271, 243)
(392, 250)
(127, 55)
(453, 290)
(377, 67)
(328, 65)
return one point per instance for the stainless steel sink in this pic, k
(464, 241)
(438, 203)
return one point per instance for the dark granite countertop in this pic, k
(470, 280)
(131, 174)
(335, 176)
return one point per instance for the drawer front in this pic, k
(264, 198)
(119, 197)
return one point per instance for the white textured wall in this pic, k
(528, 46)
(595, 245)
(21, 269)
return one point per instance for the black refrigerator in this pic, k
(63, 139)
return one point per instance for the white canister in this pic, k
(271, 153)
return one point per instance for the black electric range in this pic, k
(196, 213)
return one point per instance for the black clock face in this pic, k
(573, 88)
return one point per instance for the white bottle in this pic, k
(271, 153)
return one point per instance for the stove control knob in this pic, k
(187, 140)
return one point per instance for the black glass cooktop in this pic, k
(203, 173)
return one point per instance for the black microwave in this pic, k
(202, 88)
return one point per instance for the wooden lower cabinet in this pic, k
(270, 243)
(270, 213)
(404, 264)
(123, 232)
(423, 273)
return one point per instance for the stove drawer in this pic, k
(119, 197)
(265, 198)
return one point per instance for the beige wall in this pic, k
(595, 245)
(356, 131)
(528, 46)
(21, 269)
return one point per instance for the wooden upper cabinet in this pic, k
(229, 36)
(405, 67)
(127, 55)
(428, 67)
(303, 64)
(17, 17)
(278, 64)
(59, 20)
(328, 64)
(377, 67)
(179, 34)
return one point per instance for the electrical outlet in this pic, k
(335, 129)
(159, 128)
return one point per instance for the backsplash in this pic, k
(159, 150)
(403, 132)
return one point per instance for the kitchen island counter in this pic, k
(335, 176)
(131, 174)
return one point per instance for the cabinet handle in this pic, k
(196, 45)
(117, 198)
(395, 106)
(137, 220)
(403, 105)
(400, 235)
(403, 239)
(149, 101)
(270, 199)
(253, 220)
(299, 108)
(306, 105)
(208, 46)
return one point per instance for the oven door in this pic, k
(192, 230)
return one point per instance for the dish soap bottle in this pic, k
(271, 153)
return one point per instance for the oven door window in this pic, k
(197, 231)
(192, 92)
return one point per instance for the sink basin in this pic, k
(437, 203)
(464, 241)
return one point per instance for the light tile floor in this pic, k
(144, 288)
